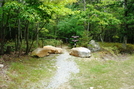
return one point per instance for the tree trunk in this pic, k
(19, 38)
(2, 29)
(37, 36)
(101, 38)
(126, 25)
(84, 2)
(27, 38)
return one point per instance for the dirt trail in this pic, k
(65, 67)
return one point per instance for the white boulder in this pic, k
(80, 52)
(1, 65)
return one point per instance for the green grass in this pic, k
(117, 47)
(28, 73)
(104, 74)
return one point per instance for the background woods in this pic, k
(31, 23)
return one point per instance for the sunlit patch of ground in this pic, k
(26, 72)
(104, 72)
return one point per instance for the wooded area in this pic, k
(24, 23)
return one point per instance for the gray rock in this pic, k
(93, 46)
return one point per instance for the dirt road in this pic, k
(65, 67)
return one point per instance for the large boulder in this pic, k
(49, 47)
(40, 52)
(46, 50)
(80, 52)
(54, 50)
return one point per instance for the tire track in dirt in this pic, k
(65, 67)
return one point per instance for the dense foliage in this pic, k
(29, 21)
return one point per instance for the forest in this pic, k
(26, 24)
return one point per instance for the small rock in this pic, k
(1, 65)
(91, 87)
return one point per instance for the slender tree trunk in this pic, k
(85, 23)
(125, 42)
(84, 6)
(2, 29)
(101, 38)
(126, 25)
(102, 34)
(27, 38)
(19, 37)
(37, 36)
(2, 40)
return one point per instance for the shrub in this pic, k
(118, 47)
(84, 39)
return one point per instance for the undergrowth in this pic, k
(117, 47)
(36, 44)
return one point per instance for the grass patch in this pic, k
(28, 73)
(104, 74)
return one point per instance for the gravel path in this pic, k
(65, 67)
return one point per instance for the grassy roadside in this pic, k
(102, 74)
(27, 73)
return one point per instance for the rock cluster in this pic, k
(47, 50)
